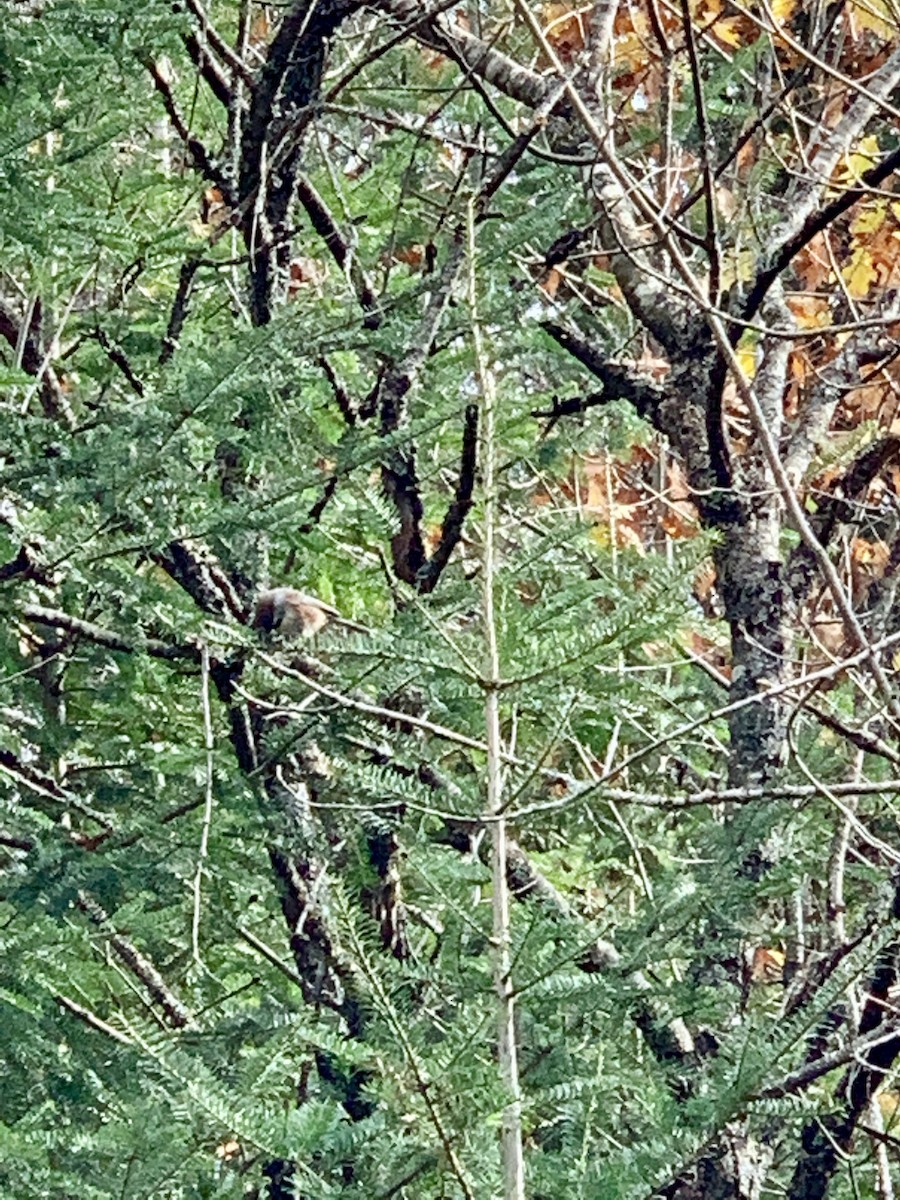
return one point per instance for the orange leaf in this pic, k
(766, 965)
(306, 272)
(550, 281)
(813, 264)
(810, 312)
(564, 29)
(213, 210)
(412, 255)
(260, 27)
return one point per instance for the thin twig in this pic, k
(92, 1020)
(209, 746)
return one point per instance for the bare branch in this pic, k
(820, 218)
(100, 636)
(342, 397)
(472, 54)
(35, 362)
(213, 41)
(195, 568)
(198, 151)
(209, 69)
(178, 315)
(708, 148)
(27, 564)
(826, 1140)
(176, 1013)
(92, 1020)
(399, 474)
(459, 507)
(118, 358)
(619, 382)
(833, 382)
(326, 227)
(40, 784)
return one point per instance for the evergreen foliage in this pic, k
(245, 913)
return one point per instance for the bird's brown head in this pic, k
(289, 612)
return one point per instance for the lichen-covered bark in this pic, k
(286, 87)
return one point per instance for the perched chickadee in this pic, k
(294, 614)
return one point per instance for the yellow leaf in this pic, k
(889, 1103)
(859, 274)
(853, 165)
(738, 268)
(870, 218)
(730, 31)
(704, 12)
(746, 356)
(564, 29)
(877, 15)
(783, 10)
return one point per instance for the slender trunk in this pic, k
(751, 579)
(511, 1130)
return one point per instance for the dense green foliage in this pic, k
(121, 827)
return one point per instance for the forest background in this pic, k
(555, 345)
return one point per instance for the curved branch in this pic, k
(471, 53)
(814, 224)
(619, 382)
(459, 507)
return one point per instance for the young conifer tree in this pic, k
(545, 353)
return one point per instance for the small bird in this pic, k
(294, 614)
